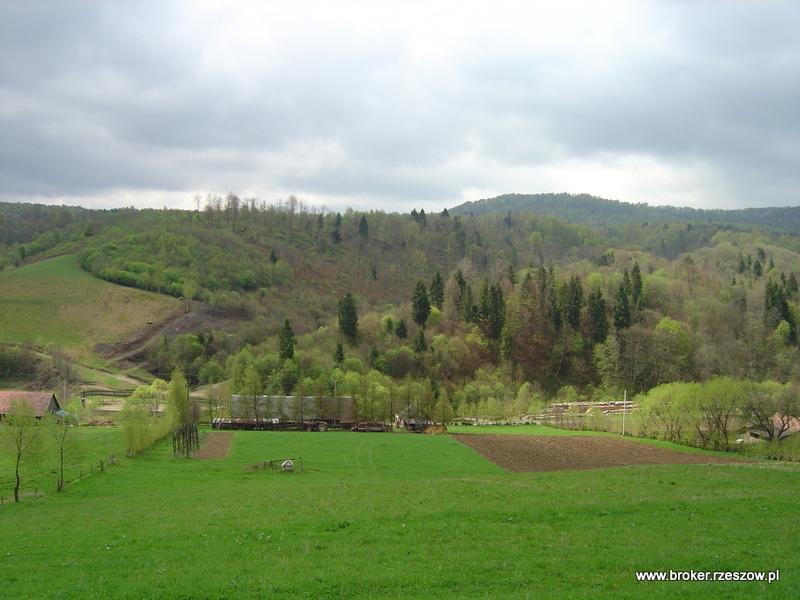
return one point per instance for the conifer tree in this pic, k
(348, 318)
(598, 321)
(420, 343)
(286, 341)
(636, 285)
(420, 305)
(437, 290)
(338, 354)
(401, 331)
(622, 308)
(363, 228)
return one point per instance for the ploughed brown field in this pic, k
(522, 453)
(216, 445)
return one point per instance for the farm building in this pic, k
(40, 402)
(780, 427)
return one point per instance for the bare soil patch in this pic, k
(201, 318)
(216, 445)
(522, 453)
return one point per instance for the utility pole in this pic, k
(624, 410)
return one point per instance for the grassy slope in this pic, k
(396, 516)
(54, 301)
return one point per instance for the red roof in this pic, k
(39, 401)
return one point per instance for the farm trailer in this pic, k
(295, 413)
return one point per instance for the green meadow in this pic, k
(397, 516)
(55, 302)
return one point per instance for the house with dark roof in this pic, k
(40, 402)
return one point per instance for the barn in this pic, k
(40, 402)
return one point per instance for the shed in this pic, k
(40, 402)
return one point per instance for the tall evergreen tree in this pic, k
(338, 354)
(363, 228)
(458, 296)
(286, 341)
(776, 309)
(348, 318)
(401, 331)
(470, 310)
(636, 285)
(626, 281)
(598, 321)
(420, 343)
(496, 317)
(622, 308)
(791, 285)
(571, 301)
(437, 290)
(420, 304)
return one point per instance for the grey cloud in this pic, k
(101, 96)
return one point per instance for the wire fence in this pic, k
(42, 481)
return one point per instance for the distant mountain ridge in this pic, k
(591, 210)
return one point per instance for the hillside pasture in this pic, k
(55, 302)
(396, 516)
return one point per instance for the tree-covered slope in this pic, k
(591, 210)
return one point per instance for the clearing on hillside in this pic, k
(55, 301)
(522, 454)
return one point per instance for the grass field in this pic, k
(397, 515)
(55, 301)
(88, 446)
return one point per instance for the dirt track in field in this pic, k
(522, 453)
(216, 445)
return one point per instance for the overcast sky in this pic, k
(393, 106)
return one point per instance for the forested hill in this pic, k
(480, 309)
(591, 210)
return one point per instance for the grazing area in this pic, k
(56, 302)
(399, 515)
(555, 453)
(85, 448)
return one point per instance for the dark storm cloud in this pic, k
(393, 109)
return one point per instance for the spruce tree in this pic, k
(401, 331)
(348, 318)
(496, 316)
(420, 305)
(286, 341)
(437, 290)
(338, 354)
(791, 285)
(470, 310)
(458, 296)
(570, 301)
(363, 228)
(420, 343)
(622, 308)
(598, 321)
(636, 285)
